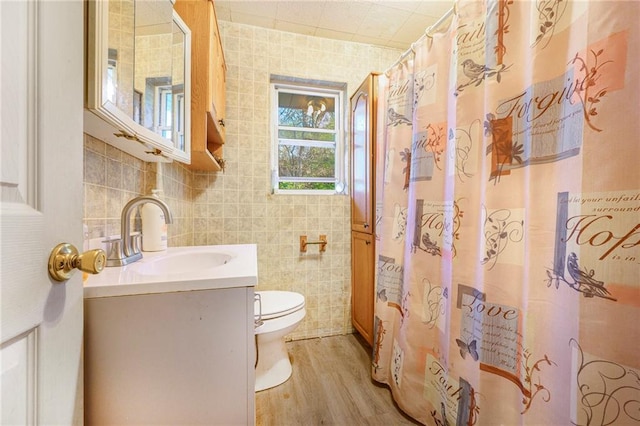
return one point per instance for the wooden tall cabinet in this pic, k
(208, 73)
(363, 106)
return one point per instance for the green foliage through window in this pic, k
(307, 185)
(308, 129)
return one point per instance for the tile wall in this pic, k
(236, 206)
(113, 177)
(153, 58)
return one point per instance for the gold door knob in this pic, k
(64, 258)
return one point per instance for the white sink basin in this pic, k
(181, 263)
(179, 269)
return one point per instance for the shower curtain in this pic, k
(508, 228)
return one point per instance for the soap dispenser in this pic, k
(154, 228)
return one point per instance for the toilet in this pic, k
(277, 313)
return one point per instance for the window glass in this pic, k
(164, 111)
(308, 139)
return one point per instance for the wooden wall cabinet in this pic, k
(363, 149)
(208, 74)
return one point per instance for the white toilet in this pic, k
(277, 313)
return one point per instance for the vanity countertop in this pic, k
(179, 269)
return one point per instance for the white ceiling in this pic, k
(391, 23)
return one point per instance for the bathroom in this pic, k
(237, 206)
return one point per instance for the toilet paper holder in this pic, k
(304, 243)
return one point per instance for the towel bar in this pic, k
(304, 243)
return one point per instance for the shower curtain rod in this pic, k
(427, 33)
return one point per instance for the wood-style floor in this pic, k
(331, 385)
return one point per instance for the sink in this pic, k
(179, 269)
(181, 263)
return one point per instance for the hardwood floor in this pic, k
(331, 385)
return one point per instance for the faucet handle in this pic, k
(114, 249)
(136, 243)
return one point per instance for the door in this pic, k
(41, 101)
(362, 292)
(363, 133)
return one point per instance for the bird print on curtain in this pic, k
(508, 282)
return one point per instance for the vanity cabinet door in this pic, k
(175, 358)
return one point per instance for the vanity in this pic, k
(169, 339)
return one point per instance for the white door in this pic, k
(41, 97)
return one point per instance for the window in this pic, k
(178, 127)
(308, 135)
(163, 112)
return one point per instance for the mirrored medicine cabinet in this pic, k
(138, 78)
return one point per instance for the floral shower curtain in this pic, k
(508, 254)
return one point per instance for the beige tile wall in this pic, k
(154, 58)
(236, 206)
(239, 207)
(113, 177)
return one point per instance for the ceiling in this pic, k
(388, 23)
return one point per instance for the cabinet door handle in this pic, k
(257, 318)
(368, 242)
(221, 122)
(366, 225)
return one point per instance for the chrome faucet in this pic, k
(124, 251)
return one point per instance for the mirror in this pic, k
(177, 77)
(121, 55)
(153, 66)
(138, 78)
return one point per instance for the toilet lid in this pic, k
(278, 303)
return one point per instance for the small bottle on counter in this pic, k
(154, 228)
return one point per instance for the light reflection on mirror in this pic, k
(112, 75)
(145, 76)
(177, 76)
(120, 54)
(153, 64)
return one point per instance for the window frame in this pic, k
(310, 88)
(163, 119)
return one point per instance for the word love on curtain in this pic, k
(508, 280)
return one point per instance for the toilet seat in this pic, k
(276, 304)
